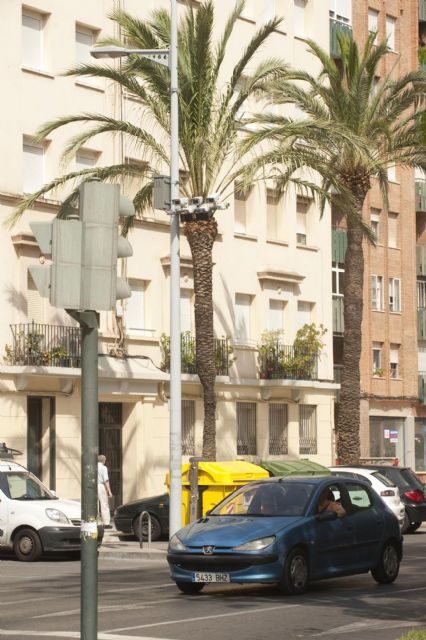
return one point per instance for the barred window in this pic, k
(188, 427)
(278, 427)
(246, 428)
(307, 429)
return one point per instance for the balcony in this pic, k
(338, 322)
(339, 243)
(223, 354)
(421, 323)
(421, 195)
(337, 27)
(422, 10)
(285, 362)
(44, 345)
(422, 386)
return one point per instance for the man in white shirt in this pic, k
(104, 492)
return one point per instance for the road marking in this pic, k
(102, 609)
(213, 617)
(43, 599)
(69, 634)
(370, 624)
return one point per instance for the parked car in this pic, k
(412, 492)
(388, 492)
(127, 517)
(32, 519)
(288, 542)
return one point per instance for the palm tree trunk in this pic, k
(201, 235)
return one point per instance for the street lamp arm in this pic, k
(158, 55)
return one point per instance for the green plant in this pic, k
(422, 55)
(9, 355)
(297, 361)
(378, 372)
(414, 635)
(223, 349)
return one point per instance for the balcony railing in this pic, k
(337, 27)
(422, 386)
(338, 322)
(421, 323)
(421, 195)
(223, 354)
(339, 243)
(44, 345)
(281, 361)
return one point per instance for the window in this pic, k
(421, 295)
(271, 215)
(301, 220)
(269, 10)
(377, 292)
(240, 212)
(185, 310)
(307, 429)
(135, 308)
(35, 303)
(246, 429)
(387, 438)
(377, 359)
(375, 223)
(33, 166)
(394, 360)
(84, 160)
(278, 429)
(32, 40)
(394, 294)
(84, 41)
(392, 174)
(390, 32)
(373, 22)
(304, 311)
(188, 427)
(359, 497)
(341, 10)
(242, 317)
(299, 18)
(393, 230)
(337, 278)
(276, 315)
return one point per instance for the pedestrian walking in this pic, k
(104, 492)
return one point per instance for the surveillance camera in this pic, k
(197, 200)
(213, 197)
(180, 202)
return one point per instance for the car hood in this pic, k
(134, 504)
(71, 508)
(229, 531)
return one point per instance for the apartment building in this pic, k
(392, 363)
(272, 272)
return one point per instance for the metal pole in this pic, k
(175, 355)
(89, 474)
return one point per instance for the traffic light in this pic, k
(83, 274)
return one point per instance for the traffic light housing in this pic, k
(84, 250)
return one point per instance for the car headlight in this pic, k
(176, 545)
(256, 545)
(57, 516)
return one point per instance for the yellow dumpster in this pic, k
(216, 480)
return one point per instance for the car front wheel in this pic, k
(296, 573)
(155, 528)
(190, 588)
(388, 568)
(27, 546)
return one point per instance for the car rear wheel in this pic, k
(406, 524)
(296, 573)
(388, 568)
(190, 588)
(155, 528)
(413, 527)
(27, 546)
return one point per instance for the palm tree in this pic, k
(209, 108)
(376, 125)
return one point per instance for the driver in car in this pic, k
(327, 502)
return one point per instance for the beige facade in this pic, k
(272, 270)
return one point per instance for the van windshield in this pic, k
(23, 486)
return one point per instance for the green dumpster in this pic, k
(303, 467)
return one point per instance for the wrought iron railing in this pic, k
(336, 26)
(223, 354)
(44, 345)
(420, 195)
(282, 361)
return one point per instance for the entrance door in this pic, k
(110, 428)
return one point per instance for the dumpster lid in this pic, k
(303, 467)
(229, 472)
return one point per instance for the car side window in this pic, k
(359, 497)
(358, 476)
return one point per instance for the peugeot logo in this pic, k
(208, 550)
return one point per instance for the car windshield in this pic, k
(23, 486)
(403, 477)
(273, 499)
(383, 479)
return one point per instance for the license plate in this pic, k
(211, 577)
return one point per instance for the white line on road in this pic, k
(103, 609)
(369, 624)
(68, 634)
(213, 617)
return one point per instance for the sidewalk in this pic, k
(129, 548)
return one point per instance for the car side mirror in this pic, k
(326, 515)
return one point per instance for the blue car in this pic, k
(289, 531)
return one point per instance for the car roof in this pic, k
(378, 466)
(10, 465)
(315, 480)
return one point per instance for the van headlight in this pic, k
(176, 545)
(256, 545)
(57, 516)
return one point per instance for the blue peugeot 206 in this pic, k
(289, 531)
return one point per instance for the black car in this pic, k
(127, 517)
(412, 492)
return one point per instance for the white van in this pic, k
(32, 519)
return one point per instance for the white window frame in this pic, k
(269, 10)
(186, 310)
(337, 269)
(135, 318)
(376, 292)
(302, 210)
(276, 315)
(390, 32)
(272, 226)
(373, 22)
(32, 39)
(82, 50)
(393, 230)
(395, 295)
(394, 360)
(391, 174)
(33, 166)
(243, 306)
(302, 310)
(375, 223)
(240, 212)
(299, 18)
(341, 10)
(377, 358)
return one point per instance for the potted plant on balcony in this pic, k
(59, 357)
(270, 350)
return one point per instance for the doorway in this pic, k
(110, 442)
